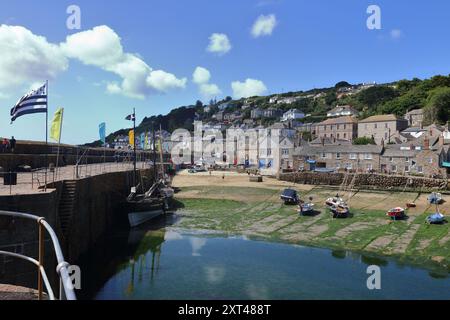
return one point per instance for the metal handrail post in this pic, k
(41, 257)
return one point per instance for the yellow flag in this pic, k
(131, 137)
(55, 130)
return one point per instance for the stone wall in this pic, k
(368, 181)
(98, 208)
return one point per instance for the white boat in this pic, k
(306, 208)
(138, 218)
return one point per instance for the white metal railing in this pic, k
(66, 290)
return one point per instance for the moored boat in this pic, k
(306, 208)
(396, 213)
(436, 218)
(290, 196)
(340, 210)
(435, 198)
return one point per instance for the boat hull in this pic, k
(137, 218)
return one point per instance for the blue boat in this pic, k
(436, 218)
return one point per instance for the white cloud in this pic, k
(396, 34)
(201, 75)
(101, 47)
(27, 58)
(209, 90)
(264, 25)
(219, 43)
(249, 88)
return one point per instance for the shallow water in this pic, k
(167, 263)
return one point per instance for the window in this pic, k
(406, 168)
(369, 167)
(285, 152)
(338, 135)
(386, 136)
(338, 165)
(386, 125)
(375, 125)
(353, 156)
(394, 168)
(324, 155)
(420, 169)
(337, 127)
(345, 136)
(338, 155)
(368, 156)
(269, 152)
(345, 126)
(349, 166)
(391, 159)
(407, 159)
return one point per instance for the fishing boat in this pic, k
(436, 218)
(149, 205)
(143, 206)
(435, 198)
(396, 213)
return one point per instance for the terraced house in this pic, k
(342, 128)
(381, 127)
(338, 157)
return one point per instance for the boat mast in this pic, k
(161, 151)
(154, 152)
(134, 145)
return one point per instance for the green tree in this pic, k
(377, 95)
(437, 108)
(362, 141)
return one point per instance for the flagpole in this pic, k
(46, 140)
(59, 142)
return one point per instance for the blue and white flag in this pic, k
(102, 132)
(33, 102)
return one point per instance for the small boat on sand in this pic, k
(396, 213)
(331, 202)
(436, 218)
(306, 209)
(340, 210)
(290, 196)
(435, 198)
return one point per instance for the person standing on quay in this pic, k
(12, 144)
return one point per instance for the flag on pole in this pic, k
(131, 117)
(33, 102)
(131, 138)
(143, 140)
(55, 130)
(146, 144)
(102, 132)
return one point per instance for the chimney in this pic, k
(426, 143)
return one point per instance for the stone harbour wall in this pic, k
(369, 181)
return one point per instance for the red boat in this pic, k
(396, 213)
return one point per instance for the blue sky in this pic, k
(314, 44)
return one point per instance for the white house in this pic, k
(293, 114)
(341, 111)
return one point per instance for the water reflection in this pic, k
(169, 263)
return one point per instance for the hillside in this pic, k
(398, 98)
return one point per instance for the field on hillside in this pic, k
(233, 205)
